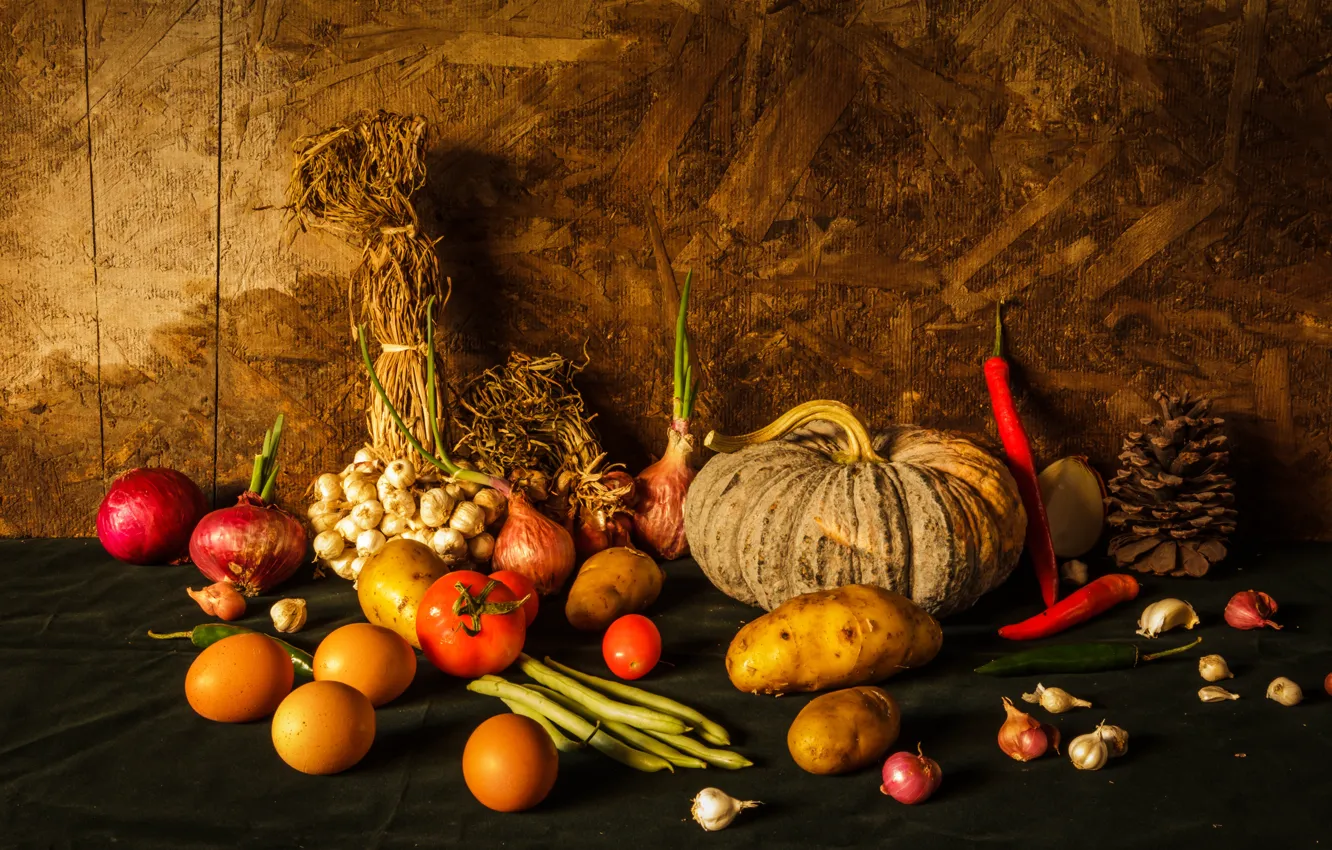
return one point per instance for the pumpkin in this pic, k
(812, 502)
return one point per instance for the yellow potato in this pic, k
(844, 730)
(392, 583)
(851, 635)
(614, 582)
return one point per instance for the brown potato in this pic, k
(844, 730)
(851, 635)
(614, 582)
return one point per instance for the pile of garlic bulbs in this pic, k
(370, 503)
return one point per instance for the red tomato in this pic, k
(469, 635)
(632, 646)
(521, 586)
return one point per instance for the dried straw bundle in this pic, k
(357, 180)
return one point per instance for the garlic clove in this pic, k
(1055, 700)
(1089, 751)
(1213, 668)
(1215, 693)
(288, 615)
(1285, 691)
(1164, 615)
(714, 809)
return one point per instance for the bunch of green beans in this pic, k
(643, 730)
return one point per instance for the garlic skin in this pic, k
(468, 519)
(1089, 751)
(1054, 700)
(367, 514)
(1215, 693)
(328, 486)
(401, 474)
(356, 565)
(288, 615)
(328, 545)
(1167, 614)
(1285, 691)
(714, 809)
(1116, 739)
(1213, 668)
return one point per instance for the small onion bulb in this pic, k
(450, 545)
(400, 474)
(367, 514)
(369, 542)
(436, 507)
(400, 502)
(328, 487)
(329, 545)
(714, 809)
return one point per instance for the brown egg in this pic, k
(239, 679)
(324, 727)
(372, 659)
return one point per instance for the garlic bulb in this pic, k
(357, 565)
(401, 474)
(369, 542)
(1055, 700)
(401, 503)
(492, 502)
(348, 528)
(367, 514)
(481, 547)
(1213, 668)
(468, 519)
(1116, 739)
(1165, 615)
(383, 486)
(392, 525)
(1215, 693)
(469, 488)
(327, 506)
(328, 487)
(419, 535)
(329, 545)
(450, 545)
(364, 455)
(714, 809)
(436, 507)
(357, 489)
(455, 492)
(326, 522)
(1285, 691)
(1088, 752)
(288, 615)
(342, 565)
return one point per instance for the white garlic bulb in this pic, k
(481, 547)
(326, 522)
(367, 514)
(456, 492)
(1165, 615)
(342, 565)
(469, 488)
(369, 542)
(364, 455)
(358, 488)
(383, 486)
(492, 502)
(329, 545)
(714, 809)
(400, 474)
(450, 545)
(1285, 691)
(419, 535)
(328, 487)
(392, 525)
(400, 502)
(469, 519)
(348, 528)
(288, 615)
(436, 507)
(1116, 739)
(327, 506)
(357, 565)
(1088, 752)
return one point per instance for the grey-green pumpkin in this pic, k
(812, 502)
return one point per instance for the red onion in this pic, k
(220, 600)
(659, 520)
(148, 514)
(252, 545)
(534, 546)
(1249, 609)
(909, 778)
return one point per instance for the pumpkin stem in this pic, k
(860, 446)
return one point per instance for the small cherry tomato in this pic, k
(470, 624)
(521, 586)
(632, 646)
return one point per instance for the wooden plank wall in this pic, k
(1148, 182)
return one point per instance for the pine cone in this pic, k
(1171, 502)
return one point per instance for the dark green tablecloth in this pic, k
(98, 745)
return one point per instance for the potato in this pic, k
(614, 582)
(392, 583)
(844, 730)
(851, 635)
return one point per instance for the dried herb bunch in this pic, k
(1172, 500)
(357, 180)
(526, 416)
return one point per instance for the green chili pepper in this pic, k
(1074, 658)
(207, 634)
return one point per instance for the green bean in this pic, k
(572, 723)
(562, 742)
(720, 758)
(634, 715)
(709, 731)
(627, 733)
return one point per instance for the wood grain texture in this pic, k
(853, 184)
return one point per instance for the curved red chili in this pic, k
(1078, 607)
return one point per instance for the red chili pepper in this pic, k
(1078, 607)
(1021, 464)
